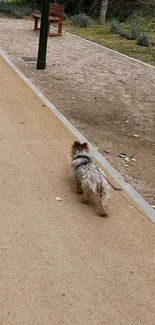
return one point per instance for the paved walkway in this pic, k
(60, 263)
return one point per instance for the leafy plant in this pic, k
(65, 16)
(15, 9)
(114, 26)
(81, 20)
(116, 29)
(134, 30)
(143, 40)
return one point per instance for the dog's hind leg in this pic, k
(78, 187)
(103, 201)
(85, 198)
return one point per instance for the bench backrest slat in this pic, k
(57, 10)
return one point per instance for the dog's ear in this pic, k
(76, 144)
(85, 146)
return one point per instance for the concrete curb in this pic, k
(150, 213)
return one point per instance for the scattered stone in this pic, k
(122, 155)
(126, 159)
(58, 198)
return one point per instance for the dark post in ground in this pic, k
(41, 62)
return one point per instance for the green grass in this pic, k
(103, 36)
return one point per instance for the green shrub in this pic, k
(143, 40)
(81, 20)
(15, 9)
(133, 34)
(65, 16)
(116, 29)
(114, 26)
(134, 30)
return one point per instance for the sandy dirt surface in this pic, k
(98, 92)
(60, 262)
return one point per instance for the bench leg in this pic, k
(60, 29)
(36, 24)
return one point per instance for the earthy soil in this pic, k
(98, 91)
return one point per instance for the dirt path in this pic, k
(98, 92)
(61, 263)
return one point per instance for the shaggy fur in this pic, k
(89, 179)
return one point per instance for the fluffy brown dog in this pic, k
(89, 179)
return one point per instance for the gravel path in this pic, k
(98, 91)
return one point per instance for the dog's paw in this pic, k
(103, 213)
(85, 201)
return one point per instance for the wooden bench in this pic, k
(56, 13)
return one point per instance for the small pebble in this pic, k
(122, 155)
(58, 198)
(126, 159)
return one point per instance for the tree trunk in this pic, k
(103, 11)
